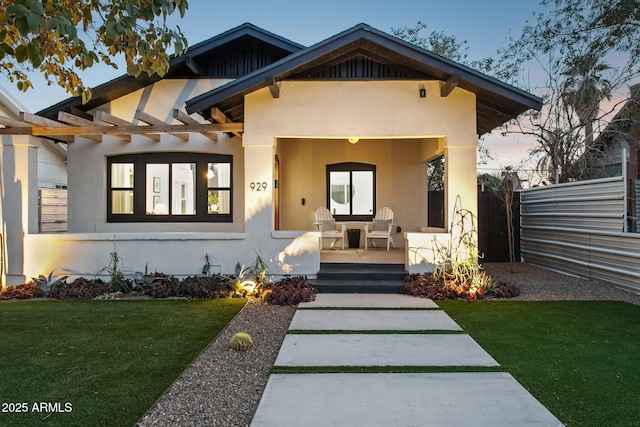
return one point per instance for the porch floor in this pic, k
(361, 256)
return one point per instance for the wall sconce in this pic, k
(422, 91)
(353, 140)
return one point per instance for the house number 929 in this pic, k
(258, 186)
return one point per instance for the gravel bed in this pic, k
(538, 284)
(223, 388)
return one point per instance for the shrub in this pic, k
(430, 286)
(80, 288)
(160, 285)
(23, 291)
(241, 342)
(203, 287)
(445, 287)
(289, 291)
(503, 290)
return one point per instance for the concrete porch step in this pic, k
(360, 278)
(361, 272)
(357, 286)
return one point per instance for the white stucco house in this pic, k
(232, 151)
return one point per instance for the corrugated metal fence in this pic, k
(579, 228)
(52, 210)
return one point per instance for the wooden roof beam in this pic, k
(153, 121)
(449, 85)
(183, 117)
(221, 117)
(105, 117)
(273, 87)
(74, 120)
(193, 66)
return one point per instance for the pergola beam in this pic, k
(9, 122)
(183, 117)
(153, 121)
(74, 120)
(73, 126)
(85, 131)
(105, 117)
(34, 120)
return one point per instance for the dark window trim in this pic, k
(351, 167)
(140, 161)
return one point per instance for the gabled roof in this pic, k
(199, 61)
(497, 102)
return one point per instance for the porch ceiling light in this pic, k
(353, 140)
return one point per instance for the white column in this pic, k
(461, 192)
(18, 202)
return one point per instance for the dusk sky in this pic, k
(483, 24)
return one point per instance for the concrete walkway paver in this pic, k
(382, 350)
(488, 399)
(368, 301)
(390, 399)
(373, 320)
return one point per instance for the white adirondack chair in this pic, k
(381, 228)
(328, 227)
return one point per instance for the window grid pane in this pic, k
(218, 188)
(183, 188)
(157, 194)
(362, 190)
(170, 187)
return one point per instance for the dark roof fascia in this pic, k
(468, 75)
(104, 89)
(246, 29)
(144, 79)
(469, 78)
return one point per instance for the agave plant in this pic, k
(248, 280)
(46, 282)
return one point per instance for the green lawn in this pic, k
(580, 359)
(106, 361)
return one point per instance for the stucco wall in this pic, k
(362, 109)
(88, 160)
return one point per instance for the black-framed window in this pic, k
(170, 187)
(351, 191)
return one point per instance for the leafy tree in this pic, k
(585, 88)
(437, 42)
(58, 38)
(588, 50)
